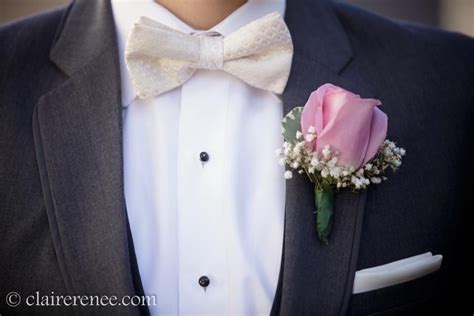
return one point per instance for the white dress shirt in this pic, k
(222, 218)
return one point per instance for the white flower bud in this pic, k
(332, 163)
(335, 172)
(309, 137)
(376, 180)
(326, 151)
(324, 172)
(288, 174)
(299, 146)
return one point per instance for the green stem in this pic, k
(324, 200)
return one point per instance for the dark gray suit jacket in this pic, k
(63, 220)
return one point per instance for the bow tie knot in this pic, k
(160, 58)
(211, 51)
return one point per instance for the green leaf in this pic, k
(324, 213)
(291, 124)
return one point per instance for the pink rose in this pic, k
(349, 124)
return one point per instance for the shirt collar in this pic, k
(127, 12)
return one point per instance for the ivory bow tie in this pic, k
(160, 58)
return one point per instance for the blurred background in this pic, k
(453, 15)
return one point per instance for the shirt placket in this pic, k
(203, 285)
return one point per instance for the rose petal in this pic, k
(378, 133)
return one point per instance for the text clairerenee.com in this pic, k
(14, 299)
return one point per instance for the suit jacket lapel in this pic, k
(317, 278)
(77, 133)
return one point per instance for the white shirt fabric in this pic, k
(222, 219)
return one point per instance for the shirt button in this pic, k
(204, 281)
(204, 156)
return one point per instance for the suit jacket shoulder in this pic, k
(406, 54)
(26, 73)
(25, 68)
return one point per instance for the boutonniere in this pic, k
(338, 139)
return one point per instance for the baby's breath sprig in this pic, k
(324, 170)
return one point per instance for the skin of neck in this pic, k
(201, 14)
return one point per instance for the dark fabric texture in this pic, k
(63, 220)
